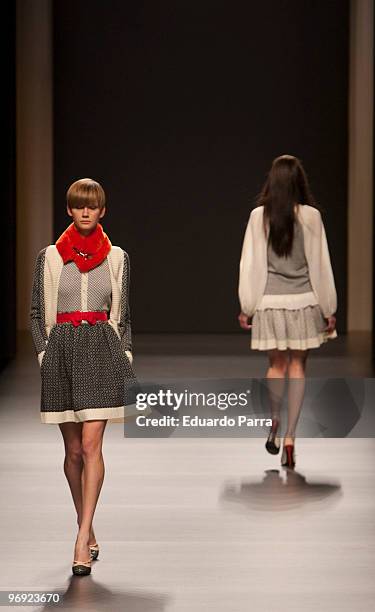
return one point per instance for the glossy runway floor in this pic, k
(187, 525)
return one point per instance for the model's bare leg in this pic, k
(73, 462)
(92, 441)
(73, 466)
(296, 391)
(92, 538)
(276, 373)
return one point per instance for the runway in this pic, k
(189, 524)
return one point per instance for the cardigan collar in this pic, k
(87, 252)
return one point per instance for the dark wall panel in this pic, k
(373, 223)
(178, 109)
(8, 195)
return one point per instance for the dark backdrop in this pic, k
(8, 311)
(178, 108)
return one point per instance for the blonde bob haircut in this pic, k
(85, 192)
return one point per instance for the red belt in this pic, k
(77, 316)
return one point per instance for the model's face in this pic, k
(85, 218)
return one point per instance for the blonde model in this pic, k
(80, 324)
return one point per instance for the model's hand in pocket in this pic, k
(129, 356)
(40, 358)
(243, 320)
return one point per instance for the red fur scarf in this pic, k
(86, 251)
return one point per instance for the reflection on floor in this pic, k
(186, 525)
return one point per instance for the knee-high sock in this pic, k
(275, 395)
(296, 391)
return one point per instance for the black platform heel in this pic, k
(81, 568)
(273, 440)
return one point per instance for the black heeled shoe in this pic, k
(273, 440)
(288, 456)
(81, 568)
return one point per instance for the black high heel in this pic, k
(81, 568)
(288, 456)
(273, 440)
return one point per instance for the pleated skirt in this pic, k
(85, 375)
(286, 328)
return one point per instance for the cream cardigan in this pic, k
(253, 264)
(51, 277)
(52, 271)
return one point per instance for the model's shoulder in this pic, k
(118, 253)
(51, 252)
(116, 249)
(257, 212)
(256, 215)
(309, 212)
(42, 253)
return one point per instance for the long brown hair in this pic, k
(286, 185)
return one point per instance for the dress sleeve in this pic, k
(125, 322)
(253, 263)
(37, 317)
(320, 268)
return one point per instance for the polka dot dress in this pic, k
(86, 372)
